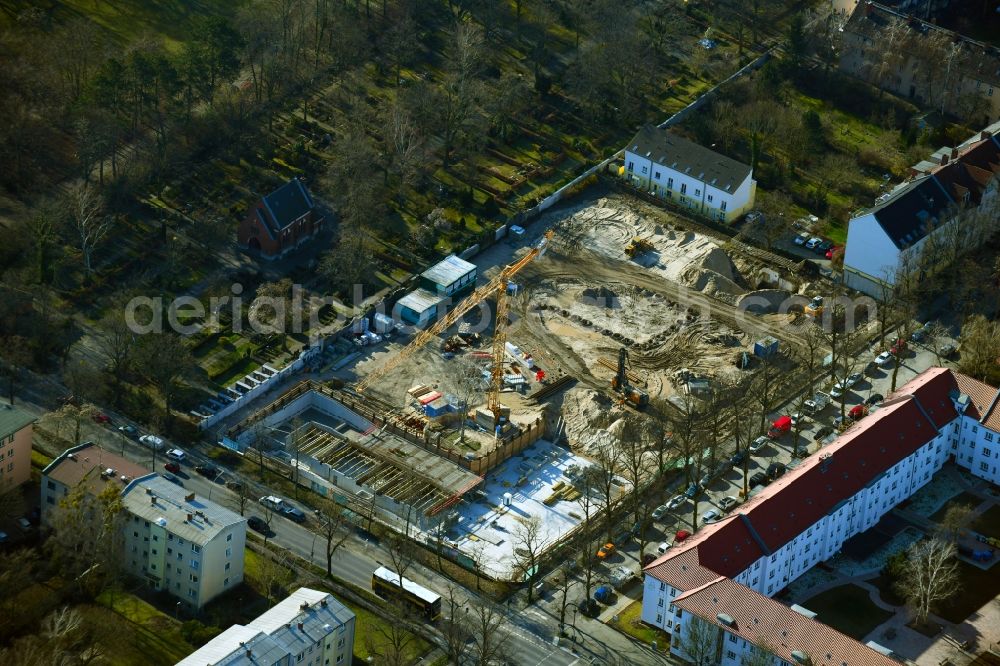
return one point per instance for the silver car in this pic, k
(659, 511)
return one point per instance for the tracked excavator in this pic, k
(634, 396)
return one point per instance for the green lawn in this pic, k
(848, 609)
(629, 623)
(135, 632)
(988, 523)
(128, 20)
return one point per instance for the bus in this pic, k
(390, 585)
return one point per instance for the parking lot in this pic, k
(918, 358)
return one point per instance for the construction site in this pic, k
(480, 424)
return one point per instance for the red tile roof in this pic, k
(984, 399)
(766, 622)
(907, 420)
(86, 466)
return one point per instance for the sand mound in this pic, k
(763, 301)
(602, 293)
(718, 261)
(585, 411)
(711, 283)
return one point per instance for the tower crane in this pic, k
(496, 287)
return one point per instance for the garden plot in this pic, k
(540, 483)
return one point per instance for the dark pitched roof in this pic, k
(676, 152)
(781, 511)
(13, 419)
(286, 204)
(912, 210)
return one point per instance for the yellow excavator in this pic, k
(637, 246)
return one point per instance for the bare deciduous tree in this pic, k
(334, 531)
(699, 642)
(929, 576)
(529, 541)
(89, 222)
(489, 633)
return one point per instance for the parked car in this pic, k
(692, 491)
(801, 238)
(839, 422)
(838, 390)
(797, 417)
(755, 216)
(775, 469)
(728, 503)
(234, 485)
(813, 243)
(606, 551)
(947, 350)
(176, 454)
(759, 444)
(898, 347)
(281, 506)
(662, 548)
(604, 594)
(24, 524)
(711, 516)
(874, 399)
(172, 467)
(257, 524)
(128, 430)
(829, 253)
(823, 433)
(858, 412)
(676, 502)
(101, 417)
(817, 403)
(739, 458)
(153, 442)
(853, 379)
(706, 479)
(824, 247)
(207, 471)
(659, 512)
(883, 359)
(780, 426)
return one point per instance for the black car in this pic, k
(738, 458)
(825, 431)
(824, 247)
(129, 431)
(874, 399)
(207, 471)
(775, 469)
(234, 485)
(257, 524)
(758, 479)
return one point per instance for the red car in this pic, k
(857, 412)
(101, 417)
(172, 467)
(898, 347)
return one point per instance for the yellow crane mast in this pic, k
(496, 287)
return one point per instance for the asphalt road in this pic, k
(530, 642)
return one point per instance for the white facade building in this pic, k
(181, 543)
(309, 627)
(921, 216)
(671, 167)
(729, 570)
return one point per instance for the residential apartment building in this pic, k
(948, 207)
(174, 540)
(671, 167)
(15, 447)
(918, 60)
(180, 542)
(726, 573)
(86, 465)
(310, 628)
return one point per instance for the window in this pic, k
(631, 166)
(723, 205)
(51, 485)
(229, 552)
(339, 659)
(975, 428)
(225, 581)
(684, 188)
(194, 564)
(298, 658)
(340, 643)
(660, 604)
(988, 437)
(709, 198)
(986, 452)
(659, 619)
(731, 654)
(644, 170)
(697, 193)
(984, 467)
(656, 175)
(193, 578)
(195, 548)
(732, 639)
(229, 537)
(193, 593)
(670, 183)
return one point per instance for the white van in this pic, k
(176, 454)
(152, 441)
